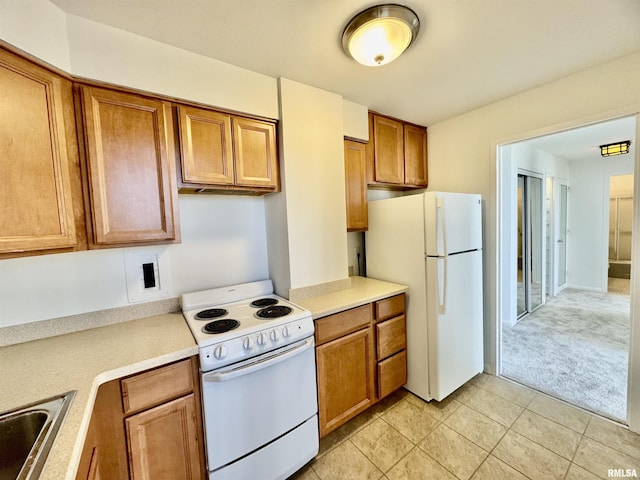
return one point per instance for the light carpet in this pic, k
(575, 348)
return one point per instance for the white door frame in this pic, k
(557, 185)
(633, 384)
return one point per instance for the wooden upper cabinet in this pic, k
(256, 158)
(397, 157)
(130, 159)
(205, 144)
(415, 156)
(388, 144)
(220, 151)
(41, 195)
(355, 186)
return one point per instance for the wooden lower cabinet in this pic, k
(147, 426)
(159, 436)
(361, 358)
(346, 384)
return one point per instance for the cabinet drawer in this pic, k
(392, 374)
(343, 323)
(156, 386)
(390, 307)
(391, 337)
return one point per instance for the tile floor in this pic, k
(490, 429)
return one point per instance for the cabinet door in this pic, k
(346, 386)
(163, 441)
(392, 374)
(256, 158)
(356, 187)
(38, 159)
(388, 150)
(130, 164)
(205, 144)
(415, 156)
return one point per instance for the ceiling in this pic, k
(468, 53)
(582, 144)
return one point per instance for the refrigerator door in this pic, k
(453, 223)
(395, 253)
(454, 321)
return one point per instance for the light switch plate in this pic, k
(134, 259)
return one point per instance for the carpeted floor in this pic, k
(575, 348)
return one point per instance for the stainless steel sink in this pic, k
(26, 436)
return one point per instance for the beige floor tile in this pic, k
(495, 407)
(465, 392)
(551, 435)
(599, 459)
(454, 452)
(389, 401)
(578, 473)
(560, 412)
(479, 379)
(508, 390)
(358, 422)
(530, 459)
(475, 426)
(614, 436)
(307, 473)
(382, 444)
(346, 462)
(438, 410)
(494, 469)
(411, 421)
(331, 441)
(417, 465)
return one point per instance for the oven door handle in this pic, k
(260, 363)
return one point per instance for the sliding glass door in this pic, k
(530, 251)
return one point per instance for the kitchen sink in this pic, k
(26, 436)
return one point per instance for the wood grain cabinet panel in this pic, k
(41, 196)
(415, 156)
(206, 147)
(130, 158)
(256, 158)
(391, 337)
(346, 383)
(388, 150)
(343, 323)
(158, 436)
(390, 307)
(355, 171)
(392, 374)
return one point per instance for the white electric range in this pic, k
(259, 397)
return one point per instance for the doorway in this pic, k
(561, 331)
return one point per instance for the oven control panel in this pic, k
(252, 344)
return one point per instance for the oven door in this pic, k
(249, 404)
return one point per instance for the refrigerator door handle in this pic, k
(442, 285)
(441, 226)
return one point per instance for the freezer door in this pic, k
(454, 321)
(453, 222)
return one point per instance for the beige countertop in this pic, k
(82, 361)
(363, 290)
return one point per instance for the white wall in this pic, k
(312, 209)
(588, 220)
(37, 27)
(470, 165)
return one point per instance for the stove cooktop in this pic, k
(233, 323)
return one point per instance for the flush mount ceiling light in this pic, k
(618, 148)
(378, 35)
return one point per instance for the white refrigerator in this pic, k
(432, 242)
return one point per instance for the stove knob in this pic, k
(220, 352)
(262, 339)
(247, 343)
(274, 335)
(286, 332)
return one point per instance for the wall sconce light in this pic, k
(379, 35)
(618, 148)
